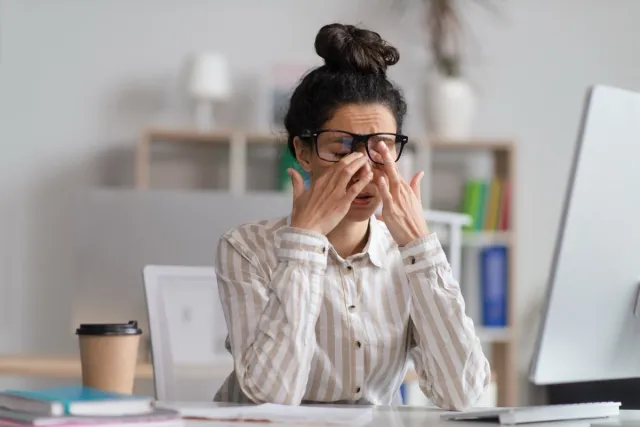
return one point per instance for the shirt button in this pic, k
(357, 389)
(412, 260)
(349, 267)
(357, 344)
(352, 308)
(324, 249)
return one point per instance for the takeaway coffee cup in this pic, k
(109, 353)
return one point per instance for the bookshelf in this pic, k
(502, 340)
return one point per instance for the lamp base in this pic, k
(204, 116)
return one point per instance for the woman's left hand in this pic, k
(402, 210)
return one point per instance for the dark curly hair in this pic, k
(354, 72)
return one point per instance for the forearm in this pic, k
(275, 366)
(456, 371)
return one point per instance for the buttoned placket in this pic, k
(349, 277)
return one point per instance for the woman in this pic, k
(328, 304)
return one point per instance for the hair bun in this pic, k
(346, 47)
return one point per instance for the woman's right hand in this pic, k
(327, 201)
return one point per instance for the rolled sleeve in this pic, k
(423, 253)
(301, 245)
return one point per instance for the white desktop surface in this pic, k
(413, 416)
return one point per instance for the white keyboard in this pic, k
(533, 414)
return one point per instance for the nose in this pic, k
(361, 149)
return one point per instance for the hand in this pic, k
(324, 205)
(402, 210)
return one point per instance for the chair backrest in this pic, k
(449, 226)
(188, 331)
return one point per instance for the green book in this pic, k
(481, 207)
(472, 203)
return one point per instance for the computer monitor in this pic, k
(590, 329)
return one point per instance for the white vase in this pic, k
(451, 109)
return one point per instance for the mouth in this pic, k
(363, 199)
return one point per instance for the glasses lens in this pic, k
(390, 140)
(334, 145)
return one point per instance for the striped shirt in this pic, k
(306, 325)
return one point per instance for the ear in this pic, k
(303, 153)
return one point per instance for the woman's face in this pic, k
(357, 119)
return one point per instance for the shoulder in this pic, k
(254, 237)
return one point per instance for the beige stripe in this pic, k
(330, 337)
(344, 354)
(391, 355)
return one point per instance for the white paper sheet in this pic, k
(323, 415)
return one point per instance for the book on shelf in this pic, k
(488, 202)
(494, 285)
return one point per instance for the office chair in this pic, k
(188, 331)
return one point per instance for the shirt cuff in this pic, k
(423, 253)
(297, 244)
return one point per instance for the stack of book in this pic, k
(78, 406)
(488, 203)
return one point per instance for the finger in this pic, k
(416, 182)
(376, 157)
(350, 158)
(389, 167)
(383, 189)
(346, 174)
(363, 171)
(297, 182)
(357, 188)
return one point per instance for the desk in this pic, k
(405, 416)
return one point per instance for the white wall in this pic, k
(78, 79)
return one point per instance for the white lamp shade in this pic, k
(210, 78)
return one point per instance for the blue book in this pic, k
(74, 400)
(493, 279)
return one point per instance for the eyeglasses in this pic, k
(332, 144)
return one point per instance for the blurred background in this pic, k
(122, 110)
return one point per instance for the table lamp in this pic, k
(209, 82)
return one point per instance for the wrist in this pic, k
(413, 237)
(306, 226)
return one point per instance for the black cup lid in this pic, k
(130, 328)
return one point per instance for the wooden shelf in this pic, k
(479, 239)
(485, 238)
(502, 340)
(494, 334)
(215, 137)
(491, 145)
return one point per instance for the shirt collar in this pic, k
(375, 247)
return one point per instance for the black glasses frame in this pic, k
(358, 139)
